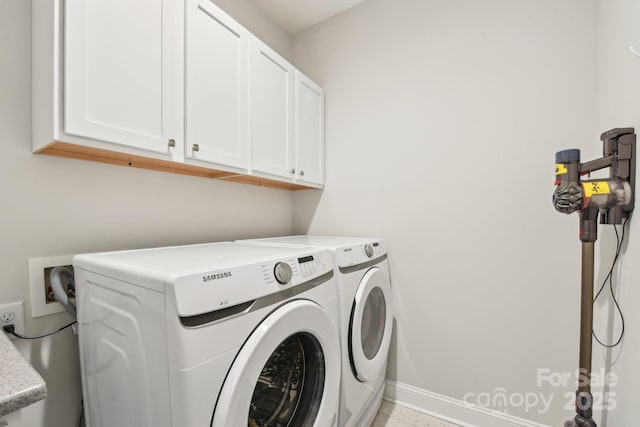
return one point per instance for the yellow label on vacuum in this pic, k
(595, 188)
(560, 169)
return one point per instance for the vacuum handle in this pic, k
(568, 166)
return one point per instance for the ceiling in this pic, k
(297, 15)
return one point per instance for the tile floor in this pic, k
(391, 415)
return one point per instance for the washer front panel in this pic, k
(255, 359)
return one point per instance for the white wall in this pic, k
(618, 101)
(443, 118)
(54, 206)
(442, 121)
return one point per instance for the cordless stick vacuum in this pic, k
(613, 199)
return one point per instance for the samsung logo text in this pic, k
(216, 276)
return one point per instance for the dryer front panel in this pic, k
(286, 374)
(370, 325)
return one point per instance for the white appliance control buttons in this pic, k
(283, 272)
(368, 249)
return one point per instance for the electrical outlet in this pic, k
(13, 314)
(7, 316)
(41, 301)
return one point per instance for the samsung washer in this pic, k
(365, 320)
(222, 335)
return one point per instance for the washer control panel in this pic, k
(297, 270)
(208, 291)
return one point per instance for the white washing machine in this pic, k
(365, 320)
(221, 335)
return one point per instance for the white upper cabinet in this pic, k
(171, 85)
(309, 131)
(121, 83)
(217, 86)
(272, 113)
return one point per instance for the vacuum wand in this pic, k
(586, 317)
(613, 200)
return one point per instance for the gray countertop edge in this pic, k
(20, 384)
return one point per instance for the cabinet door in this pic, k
(217, 86)
(309, 131)
(116, 83)
(272, 112)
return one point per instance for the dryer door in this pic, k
(287, 373)
(370, 325)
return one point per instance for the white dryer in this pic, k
(222, 335)
(365, 320)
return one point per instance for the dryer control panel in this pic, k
(209, 291)
(348, 256)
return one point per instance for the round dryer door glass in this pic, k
(370, 325)
(289, 389)
(373, 321)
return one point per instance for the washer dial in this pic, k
(282, 272)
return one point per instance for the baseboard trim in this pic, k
(451, 410)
